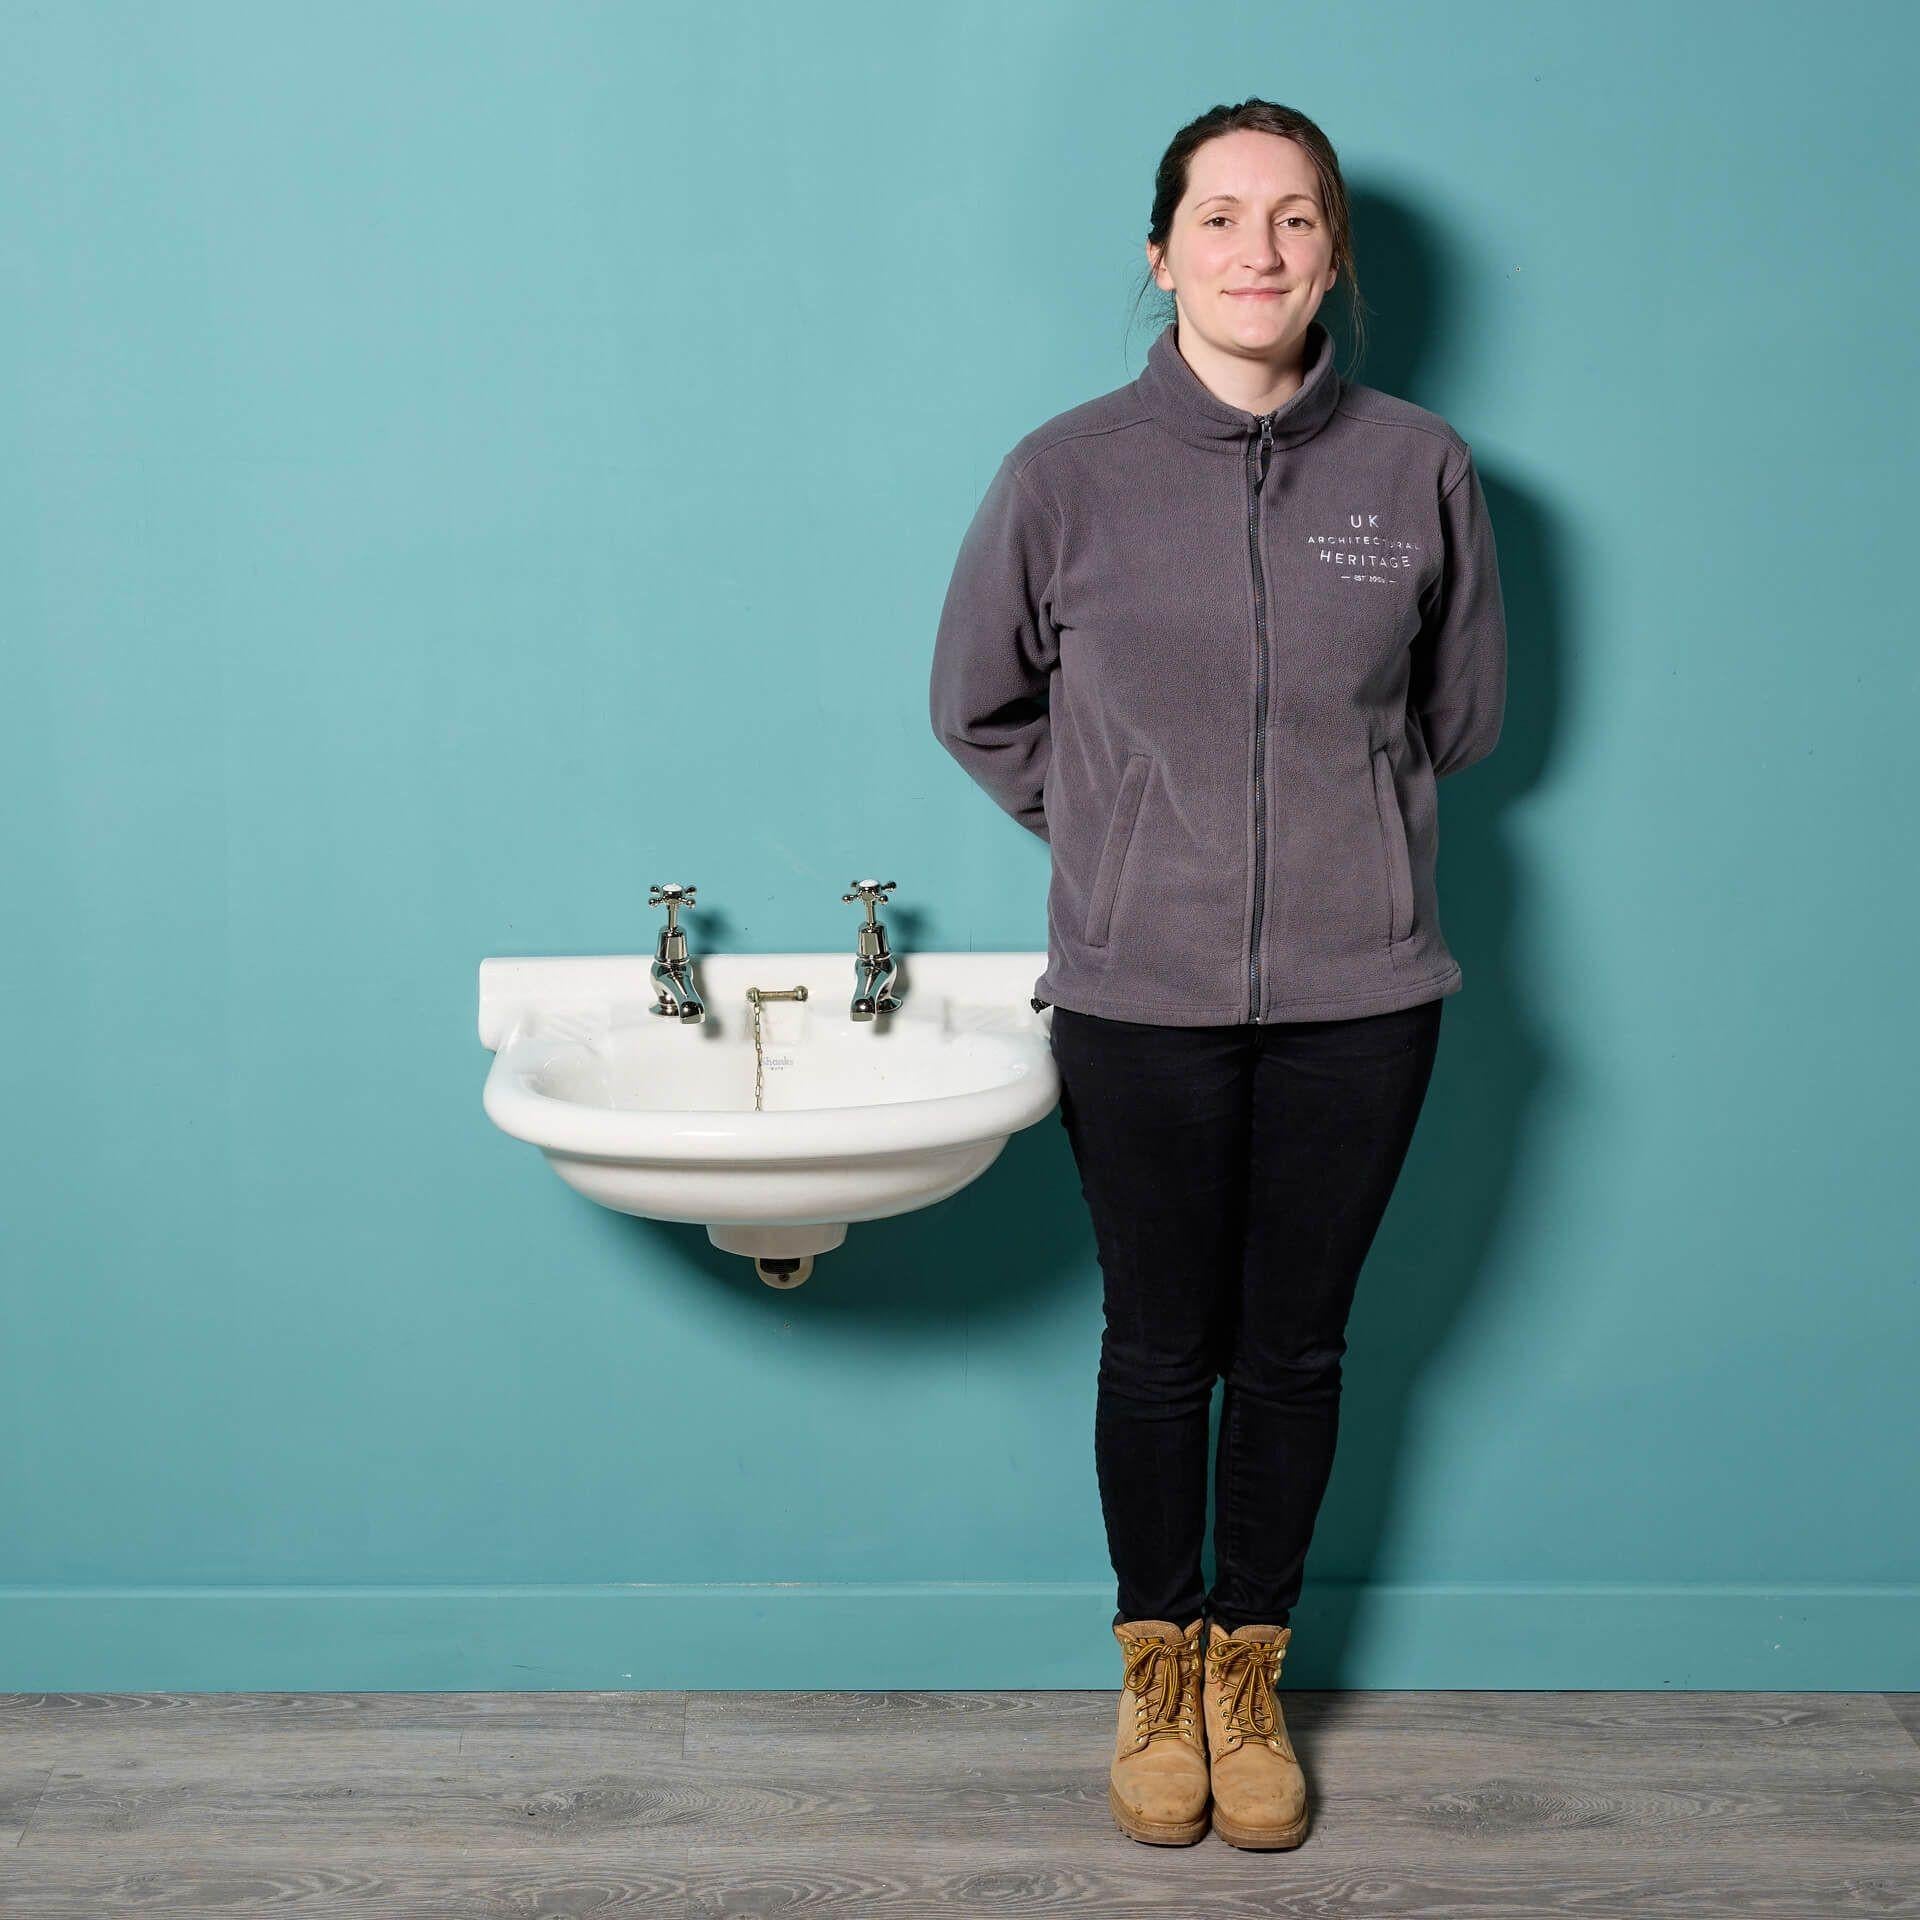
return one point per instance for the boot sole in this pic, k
(1156, 1833)
(1260, 1837)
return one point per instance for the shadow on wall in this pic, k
(1429, 1262)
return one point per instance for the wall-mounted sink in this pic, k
(853, 1120)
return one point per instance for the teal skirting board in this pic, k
(902, 1635)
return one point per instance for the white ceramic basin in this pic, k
(857, 1119)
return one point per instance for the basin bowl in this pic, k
(854, 1120)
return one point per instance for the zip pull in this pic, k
(1266, 448)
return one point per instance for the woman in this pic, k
(1213, 636)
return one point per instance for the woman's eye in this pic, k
(1212, 217)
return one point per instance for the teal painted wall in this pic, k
(464, 463)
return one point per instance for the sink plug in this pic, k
(756, 995)
(874, 967)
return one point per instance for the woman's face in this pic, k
(1250, 218)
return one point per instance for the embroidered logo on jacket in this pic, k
(1365, 555)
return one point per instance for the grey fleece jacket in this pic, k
(1217, 660)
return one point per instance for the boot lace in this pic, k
(1161, 1674)
(1247, 1672)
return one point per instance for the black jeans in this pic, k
(1236, 1176)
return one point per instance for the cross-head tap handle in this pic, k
(873, 892)
(673, 896)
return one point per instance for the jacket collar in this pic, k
(1185, 406)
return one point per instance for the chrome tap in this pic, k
(874, 967)
(679, 997)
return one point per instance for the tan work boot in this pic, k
(1259, 1791)
(1157, 1786)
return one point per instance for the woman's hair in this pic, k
(1262, 116)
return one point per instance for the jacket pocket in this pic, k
(1113, 850)
(1393, 831)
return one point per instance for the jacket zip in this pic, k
(1257, 463)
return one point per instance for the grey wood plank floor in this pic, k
(950, 1803)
